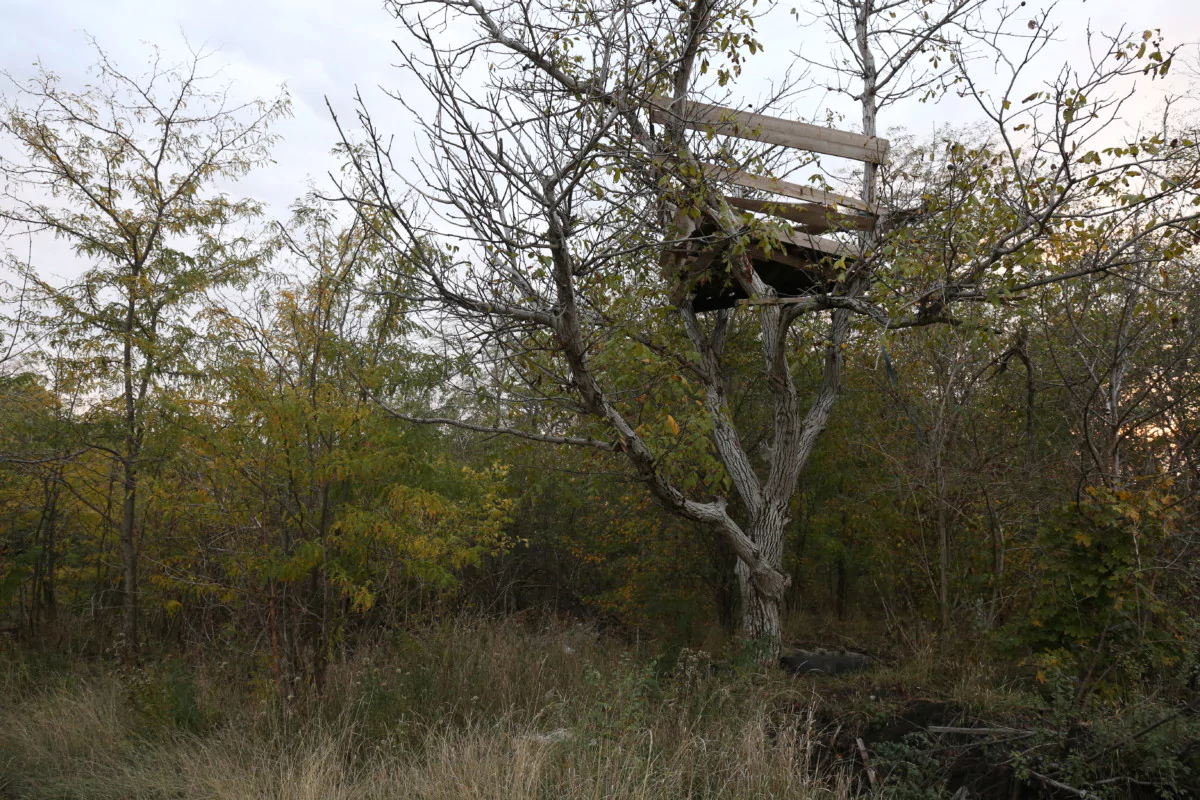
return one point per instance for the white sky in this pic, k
(323, 48)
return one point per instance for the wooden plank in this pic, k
(819, 218)
(774, 130)
(813, 219)
(787, 189)
(771, 130)
(978, 731)
(821, 244)
(776, 186)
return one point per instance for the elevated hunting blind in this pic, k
(803, 259)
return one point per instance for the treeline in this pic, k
(205, 436)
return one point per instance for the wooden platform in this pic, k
(803, 265)
(806, 261)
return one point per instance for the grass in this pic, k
(466, 709)
(501, 708)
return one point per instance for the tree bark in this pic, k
(129, 560)
(129, 481)
(759, 615)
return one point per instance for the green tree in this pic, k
(131, 173)
(295, 499)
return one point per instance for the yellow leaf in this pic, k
(673, 424)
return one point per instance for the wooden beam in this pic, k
(771, 130)
(774, 185)
(785, 188)
(822, 244)
(819, 218)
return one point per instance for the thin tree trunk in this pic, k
(323, 596)
(129, 559)
(49, 545)
(869, 101)
(997, 543)
(41, 596)
(943, 529)
(840, 571)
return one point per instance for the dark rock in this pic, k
(826, 663)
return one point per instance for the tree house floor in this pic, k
(806, 264)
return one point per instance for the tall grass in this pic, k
(468, 709)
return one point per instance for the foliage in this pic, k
(1103, 606)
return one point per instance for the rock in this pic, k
(825, 663)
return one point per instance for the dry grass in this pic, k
(468, 710)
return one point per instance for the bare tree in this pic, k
(1122, 354)
(563, 223)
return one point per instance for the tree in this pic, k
(1120, 351)
(295, 500)
(33, 421)
(549, 199)
(129, 172)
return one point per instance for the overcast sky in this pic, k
(325, 48)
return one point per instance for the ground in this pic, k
(522, 708)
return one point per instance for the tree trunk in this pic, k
(943, 532)
(763, 591)
(41, 594)
(129, 560)
(762, 594)
(129, 479)
(49, 543)
(759, 618)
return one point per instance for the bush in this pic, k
(1104, 608)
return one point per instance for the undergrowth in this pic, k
(466, 709)
(509, 708)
